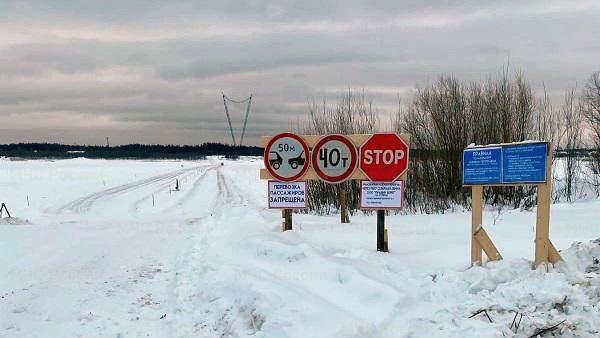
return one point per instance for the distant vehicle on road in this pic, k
(297, 161)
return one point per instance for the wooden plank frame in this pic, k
(311, 141)
(545, 252)
(357, 174)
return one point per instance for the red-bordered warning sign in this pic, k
(384, 157)
(334, 158)
(287, 157)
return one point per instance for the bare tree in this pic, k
(547, 124)
(448, 115)
(591, 97)
(570, 142)
(352, 114)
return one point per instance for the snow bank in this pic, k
(569, 293)
(13, 221)
(115, 252)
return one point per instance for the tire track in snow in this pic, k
(188, 194)
(224, 191)
(195, 186)
(192, 267)
(196, 301)
(224, 312)
(191, 296)
(234, 191)
(261, 208)
(200, 292)
(85, 203)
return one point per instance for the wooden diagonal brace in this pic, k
(553, 255)
(486, 244)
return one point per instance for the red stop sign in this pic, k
(384, 157)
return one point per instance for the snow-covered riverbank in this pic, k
(108, 249)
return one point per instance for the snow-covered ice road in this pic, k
(99, 268)
(85, 203)
(115, 263)
(112, 251)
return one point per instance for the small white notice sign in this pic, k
(381, 195)
(287, 195)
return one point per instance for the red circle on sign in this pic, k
(353, 158)
(268, 165)
(384, 157)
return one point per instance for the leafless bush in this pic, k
(352, 114)
(443, 119)
(547, 124)
(570, 141)
(449, 115)
(591, 111)
(437, 123)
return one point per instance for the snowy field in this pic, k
(105, 249)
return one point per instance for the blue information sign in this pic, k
(513, 163)
(524, 163)
(482, 165)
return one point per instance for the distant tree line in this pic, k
(130, 151)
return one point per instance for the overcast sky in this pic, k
(152, 71)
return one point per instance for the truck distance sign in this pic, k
(286, 157)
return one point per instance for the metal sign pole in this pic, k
(381, 240)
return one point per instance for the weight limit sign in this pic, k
(334, 158)
(286, 157)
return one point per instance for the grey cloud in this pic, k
(214, 67)
(232, 11)
(292, 53)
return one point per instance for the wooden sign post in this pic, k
(286, 214)
(510, 164)
(544, 249)
(476, 222)
(382, 243)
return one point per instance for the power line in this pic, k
(235, 101)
